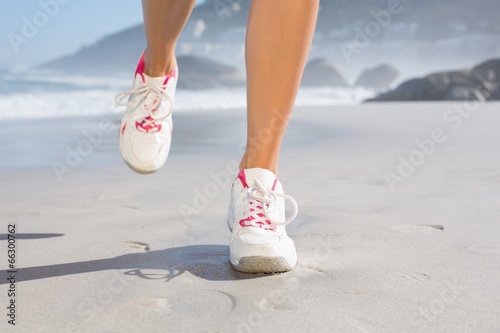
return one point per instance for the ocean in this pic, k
(43, 95)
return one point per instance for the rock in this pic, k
(459, 85)
(461, 93)
(495, 95)
(323, 72)
(380, 77)
(203, 73)
(492, 66)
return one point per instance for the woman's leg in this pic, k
(146, 130)
(164, 21)
(278, 40)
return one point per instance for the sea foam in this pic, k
(38, 96)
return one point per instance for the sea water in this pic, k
(42, 95)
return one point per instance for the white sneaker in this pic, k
(259, 243)
(146, 128)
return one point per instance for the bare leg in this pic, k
(278, 40)
(164, 21)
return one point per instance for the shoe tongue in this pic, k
(154, 81)
(266, 177)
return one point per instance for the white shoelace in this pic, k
(153, 97)
(259, 199)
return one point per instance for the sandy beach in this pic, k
(398, 227)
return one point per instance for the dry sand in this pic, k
(106, 250)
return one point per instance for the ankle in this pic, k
(156, 67)
(244, 164)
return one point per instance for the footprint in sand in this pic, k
(317, 259)
(280, 299)
(137, 245)
(485, 249)
(311, 268)
(23, 214)
(422, 229)
(193, 303)
(129, 207)
(182, 304)
(397, 278)
(334, 241)
(281, 304)
(156, 304)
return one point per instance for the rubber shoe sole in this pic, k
(266, 265)
(142, 172)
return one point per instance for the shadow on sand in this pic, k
(209, 262)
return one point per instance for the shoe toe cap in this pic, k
(145, 153)
(252, 243)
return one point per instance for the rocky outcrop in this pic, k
(480, 83)
(323, 72)
(492, 66)
(379, 78)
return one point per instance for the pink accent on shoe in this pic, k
(248, 219)
(274, 185)
(148, 128)
(267, 226)
(243, 178)
(123, 128)
(140, 67)
(140, 70)
(173, 74)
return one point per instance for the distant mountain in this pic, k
(113, 53)
(412, 40)
(422, 19)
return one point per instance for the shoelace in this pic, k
(258, 201)
(150, 92)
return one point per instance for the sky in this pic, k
(65, 30)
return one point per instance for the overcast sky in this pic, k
(72, 25)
